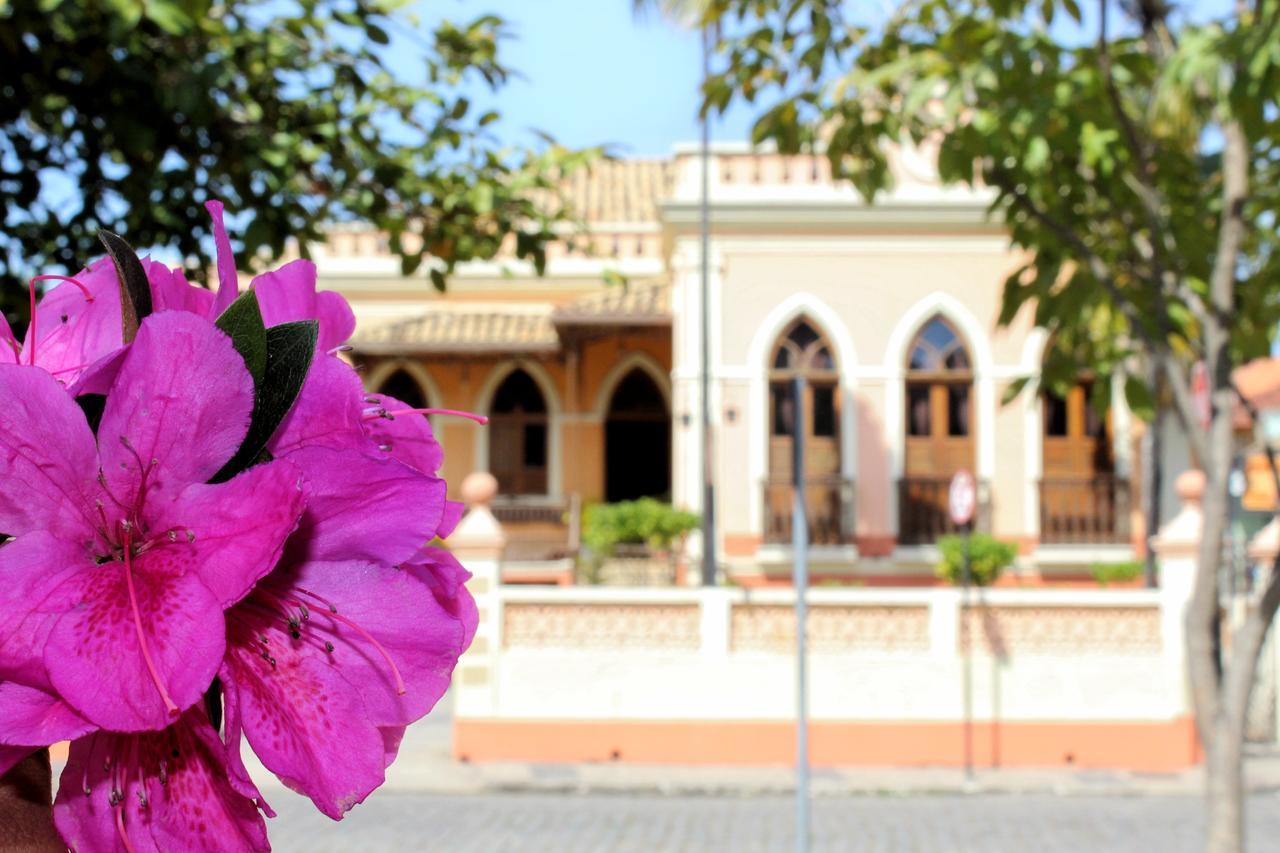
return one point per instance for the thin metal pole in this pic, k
(800, 552)
(966, 579)
(708, 446)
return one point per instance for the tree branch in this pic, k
(1101, 271)
(1163, 250)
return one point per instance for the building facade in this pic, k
(889, 311)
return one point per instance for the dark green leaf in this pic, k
(135, 290)
(290, 349)
(242, 320)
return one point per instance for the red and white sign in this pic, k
(1200, 393)
(962, 498)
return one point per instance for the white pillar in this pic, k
(478, 542)
(1177, 546)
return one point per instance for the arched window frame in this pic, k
(940, 381)
(815, 361)
(523, 478)
(804, 350)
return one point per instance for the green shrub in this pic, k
(1108, 573)
(988, 557)
(645, 521)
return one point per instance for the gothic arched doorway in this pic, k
(637, 441)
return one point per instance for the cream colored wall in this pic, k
(869, 293)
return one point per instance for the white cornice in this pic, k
(790, 215)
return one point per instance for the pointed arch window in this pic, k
(401, 385)
(518, 436)
(802, 350)
(939, 428)
(940, 388)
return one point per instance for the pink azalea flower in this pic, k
(113, 591)
(356, 633)
(152, 791)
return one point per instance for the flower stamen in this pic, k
(137, 621)
(31, 289)
(337, 617)
(390, 414)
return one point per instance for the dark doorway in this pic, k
(518, 436)
(637, 441)
(404, 388)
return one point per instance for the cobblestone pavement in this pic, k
(493, 823)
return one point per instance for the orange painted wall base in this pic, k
(1150, 746)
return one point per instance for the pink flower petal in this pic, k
(363, 508)
(32, 567)
(180, 775)
(233, 739)
(239, 527)
(304, 721)
(8, 353)
(47, 457)
(289, 294)
(179, 407)
(170, 291)
(33, 717)
(11, 755)
(96, 659)
(228, 281)
(453, 512)
(385, 613)
(72, 332)
(327, 413)
(447, 578)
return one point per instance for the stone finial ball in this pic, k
(479, 488)
(1190, 485)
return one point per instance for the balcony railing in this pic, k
(539, 528)
(1084, 510)
(922, 509)
(829, 502)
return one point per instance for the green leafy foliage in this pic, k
(129, 115)
(645, 521)
(1109, 573)
(988, 558)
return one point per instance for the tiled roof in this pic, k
(518, 328)
(484, 329)
(632, 304)
(620, 191)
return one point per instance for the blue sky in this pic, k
(593, 73)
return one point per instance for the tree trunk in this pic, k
(1153, 470)
(1224, 786)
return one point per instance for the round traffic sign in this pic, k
(962, 498)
